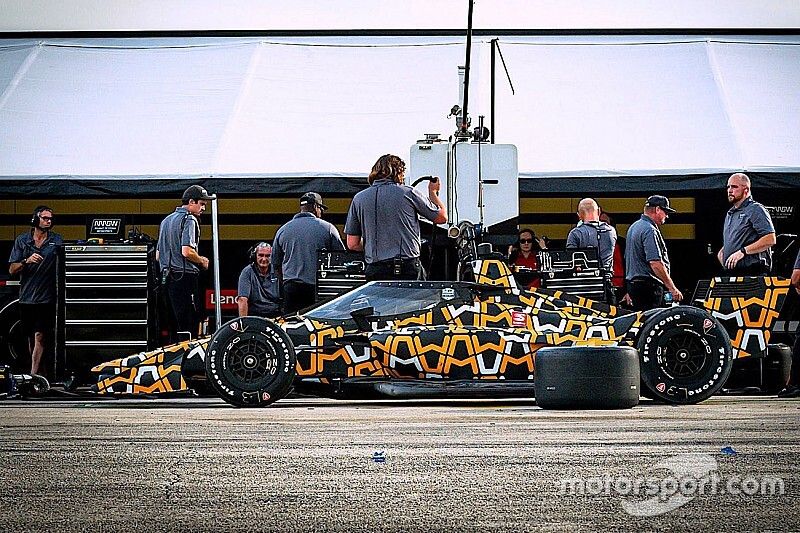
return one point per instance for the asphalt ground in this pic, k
(328, 465)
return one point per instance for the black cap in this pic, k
(312, 198)
(196, 192)
(659, 201)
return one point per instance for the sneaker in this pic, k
(792, 391)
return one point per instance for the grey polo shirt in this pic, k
(585, 236)
(644, 243)
(37, 281)
(178, 229)
(261, 292)
(296, 245)
(385, 216)
(745, 225)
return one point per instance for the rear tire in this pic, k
(685, 355)
(777, 368)
(250, 362)
(587, 377)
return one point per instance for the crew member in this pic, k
(524, 253)
(383, 221)
(748, 234)
(258, 289)
(793, 390)
(591, 232)
(180, 262)
(33, 257)
(646, 260)
(295, 248)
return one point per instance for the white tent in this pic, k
(154, 110)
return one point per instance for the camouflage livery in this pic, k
(485, 331)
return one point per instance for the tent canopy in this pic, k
(101, 110)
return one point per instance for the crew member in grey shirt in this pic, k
(180, 264)
(748, 234)
(647, 268)
(383, 221)
(592, 233)
(258, 293)
(295, 250)
(34, 257)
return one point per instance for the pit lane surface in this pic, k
(315, 465)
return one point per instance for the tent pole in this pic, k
(215, 242)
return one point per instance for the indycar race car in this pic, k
(471, 338)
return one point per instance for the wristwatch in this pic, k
(744, 252)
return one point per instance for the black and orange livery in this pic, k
(476, 334)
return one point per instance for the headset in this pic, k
(253, 250)
(35, 219)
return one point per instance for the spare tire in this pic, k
(250, 362)
(587, 377)
(686, 355)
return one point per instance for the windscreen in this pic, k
(387, 298)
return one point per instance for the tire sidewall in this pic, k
(705, 329)
(217, 362)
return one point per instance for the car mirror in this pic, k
(362, 316)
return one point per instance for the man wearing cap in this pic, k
(295, 250)
(180, 264)
(258, 293)
(646, 259)
(748, 234)
(383, 221)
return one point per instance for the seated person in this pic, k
(523, 254)
(258, 293)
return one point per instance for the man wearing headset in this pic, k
(383, 221)
(176, 252)
(258, 293)
(34, 259)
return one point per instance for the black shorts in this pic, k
(38, 318)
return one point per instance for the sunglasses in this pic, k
(46, 218)
(526, 241)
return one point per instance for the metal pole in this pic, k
(465, 117)
(491, 110)
(215, 243)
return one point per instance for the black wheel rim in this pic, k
(683, 355)
(252, 362)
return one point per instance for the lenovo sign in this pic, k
(227, 298)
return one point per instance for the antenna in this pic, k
(462, 131)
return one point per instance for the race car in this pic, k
(475, 338)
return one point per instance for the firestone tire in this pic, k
(587, 377)
(250, 362)
(777, 368)
(686, 355)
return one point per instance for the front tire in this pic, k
(685, 355)
(250, 362)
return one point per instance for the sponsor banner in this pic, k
(227, 299)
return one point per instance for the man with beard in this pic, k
(748, 234)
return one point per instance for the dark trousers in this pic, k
(395, 269)
(183, 301)
(645, 293)
(794, 378)
(297, 295)
(758, 269)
